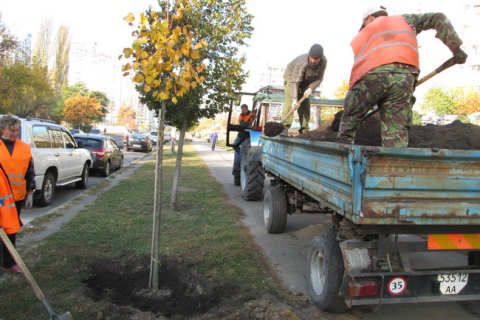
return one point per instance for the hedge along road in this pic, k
(287, 252)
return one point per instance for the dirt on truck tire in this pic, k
(457, 135)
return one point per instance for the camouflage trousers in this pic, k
(303, 110)
(393, 93)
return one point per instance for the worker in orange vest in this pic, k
(16, 159)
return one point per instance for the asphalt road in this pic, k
(63, 194)
(287, 252)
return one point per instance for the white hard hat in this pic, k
(373, 10)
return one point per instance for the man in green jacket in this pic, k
(302, 76)
(386, 68)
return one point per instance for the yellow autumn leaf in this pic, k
(143, 19)
(163, 96)
(147, 88)
(149, 80)
(127, 52)
(130, 17)
(174, 100)
(126, 67)
(195, 55)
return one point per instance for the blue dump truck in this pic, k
(387, 206)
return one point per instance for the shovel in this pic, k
(273, 129)
(30, 279)
(447, 64)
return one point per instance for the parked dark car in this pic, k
(105, 152)
(95, 131)
(140, 142)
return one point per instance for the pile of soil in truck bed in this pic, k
(457, 135)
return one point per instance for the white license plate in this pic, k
(452, 283)
(137, 146)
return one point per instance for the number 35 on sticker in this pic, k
(397, 285)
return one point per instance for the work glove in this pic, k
(29, 201)
(308, 93)
(460, 55)
(294, 102)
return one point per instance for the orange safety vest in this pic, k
(16, 166)
(246, 119)
(385, 40)
(9, 220)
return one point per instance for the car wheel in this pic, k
(82, 184)
(48, 190)
(120, 165)
(106, 169)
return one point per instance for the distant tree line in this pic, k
(37, 86)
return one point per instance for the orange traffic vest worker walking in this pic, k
(17, 162)
(9, 220)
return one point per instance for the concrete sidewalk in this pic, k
(287, 252)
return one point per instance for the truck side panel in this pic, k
(381, 186)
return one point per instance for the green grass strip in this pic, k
(206, 232)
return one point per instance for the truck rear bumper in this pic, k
(422, 286)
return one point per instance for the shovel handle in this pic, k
(447, 64)
(295, 107)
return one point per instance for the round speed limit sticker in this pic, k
(397, 285)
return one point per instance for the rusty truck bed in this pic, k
(426, 189)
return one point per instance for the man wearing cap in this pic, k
(302, 76)
(385, 70)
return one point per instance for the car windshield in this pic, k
(138, 136)
(94, 143)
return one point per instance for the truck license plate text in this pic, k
(452, 283)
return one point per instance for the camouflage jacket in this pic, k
(420, 22)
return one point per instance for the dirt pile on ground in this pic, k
(457, 135)
(183, 294)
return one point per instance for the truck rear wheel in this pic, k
(275, 210)
(325, 273)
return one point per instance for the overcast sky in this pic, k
(283, 30)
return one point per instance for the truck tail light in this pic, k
(99, 152)
(363, 288)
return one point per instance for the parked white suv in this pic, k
(58, 159)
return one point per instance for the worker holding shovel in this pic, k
(385, 70)
(302, 76)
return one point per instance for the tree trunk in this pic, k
(178, 165)
(157, 206)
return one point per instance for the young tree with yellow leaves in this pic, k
(163, 55)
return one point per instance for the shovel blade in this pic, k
(65, 316)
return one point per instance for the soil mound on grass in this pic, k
(457, 135)
(124, 282)
(121, 286)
